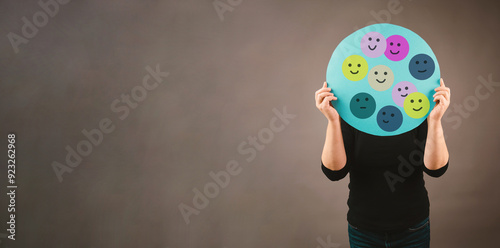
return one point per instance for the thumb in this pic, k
(325, 85)
(441, 83)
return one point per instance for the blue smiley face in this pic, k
(362, 105)
(389, 118)
(422, 66)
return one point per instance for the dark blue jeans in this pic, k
(415, 236)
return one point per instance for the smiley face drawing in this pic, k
(373, 44)
(416, 105)
(422, 66)
(362, 105)
(389, 118)
(401, 90)
(397, 48)
(380, 78)
(355, 67)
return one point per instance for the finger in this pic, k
(319, 92)
(323, 90)
(443, 93)
(324, 94)
(447, 95)
(442, 89)
(331, 98)
(439, 99)
(444, 100)
(323, 104)
(321, 96)
(326, 102)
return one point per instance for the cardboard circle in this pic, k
(362, 67)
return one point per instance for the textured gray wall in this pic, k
(226, 75)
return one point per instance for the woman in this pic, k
(388, 202)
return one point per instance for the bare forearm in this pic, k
(334, 156)
(436, 152)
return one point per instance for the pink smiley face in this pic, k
(397, 48)
(373, 44)
(401, 90)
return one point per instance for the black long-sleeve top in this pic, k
(386, 189)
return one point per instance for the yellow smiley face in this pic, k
(355, 67)
(416, 105)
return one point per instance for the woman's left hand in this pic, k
(442, 99)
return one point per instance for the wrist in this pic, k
(334, 122)
(434, 123)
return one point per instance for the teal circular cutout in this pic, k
(348, 90)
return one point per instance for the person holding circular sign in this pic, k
(388, 202)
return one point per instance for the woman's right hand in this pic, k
(323, 97)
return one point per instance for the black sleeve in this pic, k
(437, 173)
(334, 175)
(348, 137)
(422, 137)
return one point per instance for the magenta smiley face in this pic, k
(401, 90)
(397, 48)
(373, 44)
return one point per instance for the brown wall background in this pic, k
(226, 77)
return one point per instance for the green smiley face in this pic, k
(416, 105)
(355, 67)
